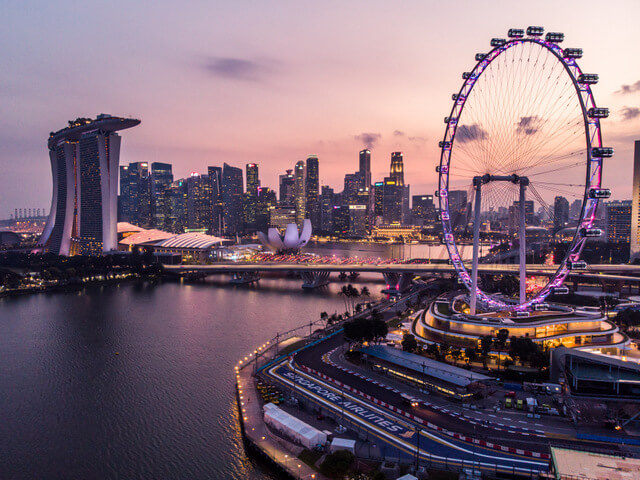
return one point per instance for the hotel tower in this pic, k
(84, 164)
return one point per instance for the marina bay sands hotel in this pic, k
(84, 163)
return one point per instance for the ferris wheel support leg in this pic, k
(476, 244)
(523, 242)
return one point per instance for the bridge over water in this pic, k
(398, 276)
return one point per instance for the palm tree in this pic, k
(345, 294)
(324, 316)
(364, 292)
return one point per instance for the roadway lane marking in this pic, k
(351, 409)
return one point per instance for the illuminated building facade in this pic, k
(635, 208)
(84, 164)
(618, 226)
(312, 190)
(299, 193)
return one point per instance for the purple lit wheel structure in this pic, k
(526, 109)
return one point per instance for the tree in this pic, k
(364, 292)
(337, 464)
(433, 349)
(409, 343)
(324, 316)
(501, 340)
(486, 342)
(455, 354)
(471, 354)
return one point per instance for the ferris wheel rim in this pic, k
(593, 170)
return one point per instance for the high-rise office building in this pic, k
(574, 209)
(396, 171)
(135, 194)
(560, 213)
(176, 200)
(364, 160)
(198, 202)
(312, 190)
(299, 193)
(232, 190)
(161, 180)
(84, 163)
(253, 180)
(217, 206)
(341, 220)
(423, 208)
(327, 200)
(618, 221)
(351, 186)
(635, 207)
(267, 200)
(287, 183)
(250, 199)
(281, 216)
(378, 199)
(391, 201)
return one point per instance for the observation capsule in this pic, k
(498, 42)
(540, 306)
(444, 216)
(535, 31)
(579, 265)
(572, 53)
(554, 37)
(480, 56)
(466, 75)
(588, 78)
(598, 113)
(444, 144)
(515, 33)
(590, 232)
(603, 152)
(599, 193)
(443, 168)
(559, 290)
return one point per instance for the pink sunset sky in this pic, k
(271, 82)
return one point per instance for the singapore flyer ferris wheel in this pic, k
(522, 149)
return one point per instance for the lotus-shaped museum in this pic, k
(292, 240)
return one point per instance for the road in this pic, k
(400, 435)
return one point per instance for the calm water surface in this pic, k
(136, 381)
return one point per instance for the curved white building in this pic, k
(84, 165)
(445, 322)
(291, 241)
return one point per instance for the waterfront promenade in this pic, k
(283, 454)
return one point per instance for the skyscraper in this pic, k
(84, 163)
(365, 168)
(391, 201)
(176, 200)
(161, 180)
(299, 193)
(198, 202)
(217, 208)
(250, 199)
(423, 208)
(326, 222)
(232, 190)
(253, 180)
(287, 183)
(312, 190)
(560, 213)
(135, 194)
(396, 171)
(618, 227)
(635, 208)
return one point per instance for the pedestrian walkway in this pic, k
(280, 451)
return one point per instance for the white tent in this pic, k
(343, 444)
(292, 427)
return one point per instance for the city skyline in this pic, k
(281, 101)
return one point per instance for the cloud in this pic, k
(469, 133)
(368, 139)
(624, 89)
(240, 69)
(629, 113)
(528, 125)
(398, 133)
